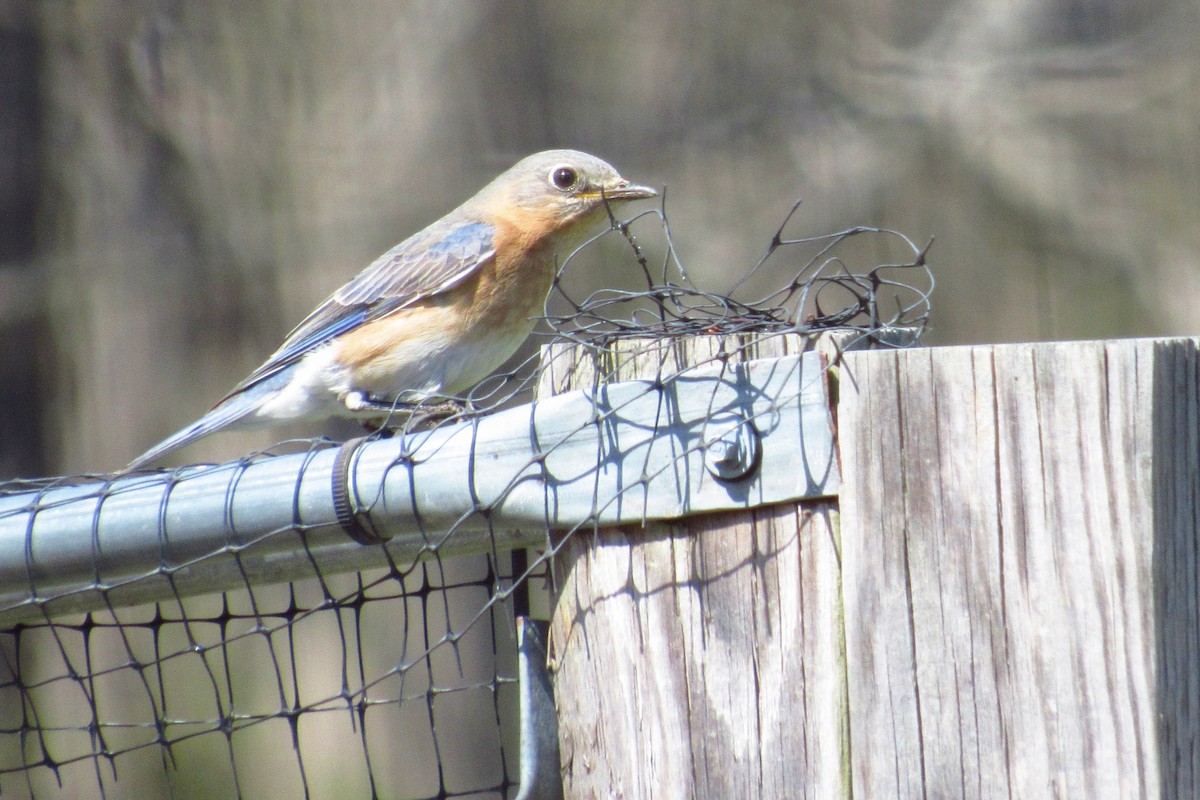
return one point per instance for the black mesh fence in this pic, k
(230, 631)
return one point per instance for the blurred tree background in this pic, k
(180, 183)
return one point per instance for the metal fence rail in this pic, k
(714, 438)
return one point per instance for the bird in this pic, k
(438, 312)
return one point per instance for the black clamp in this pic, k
(357, 523)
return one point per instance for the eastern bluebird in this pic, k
(435, 314)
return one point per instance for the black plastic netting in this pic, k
(289, 660)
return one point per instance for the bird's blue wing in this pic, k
(431, 262)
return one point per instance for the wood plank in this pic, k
(1175, 416)
(1007, 552)
(700, 659)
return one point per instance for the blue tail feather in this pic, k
(226, 413)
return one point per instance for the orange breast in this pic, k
(456, 338)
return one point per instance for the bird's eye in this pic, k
(564, 177)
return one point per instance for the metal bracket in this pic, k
(541, 776)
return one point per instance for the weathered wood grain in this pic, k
(1006, 605)
(701, 659)
(1019, 567)
(1175, 477)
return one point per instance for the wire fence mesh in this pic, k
(140, 658)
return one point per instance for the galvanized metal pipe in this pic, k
(711, 438)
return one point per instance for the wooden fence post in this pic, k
(703, 658)
(1019, 564)
(1001, 602)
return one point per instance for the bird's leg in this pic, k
(359, 402)
(416, 415)
(426, 416)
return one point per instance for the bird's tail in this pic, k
(226, 413)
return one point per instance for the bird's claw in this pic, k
(415, 415)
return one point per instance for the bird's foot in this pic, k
(362, 403)
(403, 414)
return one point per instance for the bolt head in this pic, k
(731, 451)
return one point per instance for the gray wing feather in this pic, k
(429, 263)
(426, 264)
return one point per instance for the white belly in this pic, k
(436, 366)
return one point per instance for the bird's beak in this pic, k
(624, 190)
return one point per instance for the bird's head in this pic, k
(563, 188)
